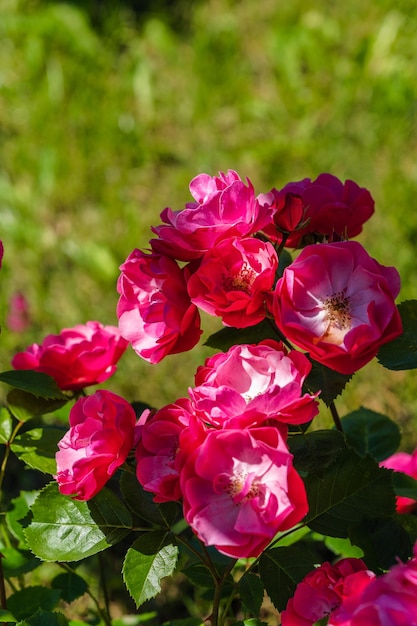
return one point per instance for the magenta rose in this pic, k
(155, 312)
(389, 600)
(337, 303)
(232, 280)
(331, 209)
(224, 207)
(324, 590)
(240, 488)
(80, 356)
(101, 435)
(1, 252)
(158, 448)
(250, 384)
(407, 464)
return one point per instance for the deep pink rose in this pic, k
(337, 303)
(1, 252)
(330, 208)
(80, 356)
(157, 450)
(324, 590)
(155, 312)
(224, 207)
(232, 280)
(240, 488)
(250, 384)
(407, 464)
(101, 435)
(389, 600)
(288, 211)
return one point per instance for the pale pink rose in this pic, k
(155, 312)
(389, 600)
(323, 591)
(101, 435)
(158, 448)
(233, 279)
(18, 316)
(83, 355)
(331, 209)
(337, 303)
(252, 383)
(407, 464)
(240, 488)
(224, 207)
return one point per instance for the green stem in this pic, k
(335, 416)
(103, 614)
(216, 619)
(7, 454)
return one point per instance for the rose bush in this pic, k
(77, 357)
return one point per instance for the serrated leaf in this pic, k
(6, 425)
(404, 485)
(71, 586)
(25, 405)
(315, 451)
(327, 381)
(41, 385)
(148, 560)
(20, 508)
(141, 503)
(38, 447)
(401, 353)
(343, 547)
(45, 618)
(6, 617)
(352, 489)
(251, 592)
(63, 529)
(228, 337)
(371, 433)
(27, 601)
(199, 575)
(281, 569)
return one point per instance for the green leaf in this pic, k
(401, 353)
(404, 485)
(6, 425)
(148, 560)
(188, 621)
(327, 381)
(17, 562)
(249, 622)
(7, 617)
(281, 569)
(371, 433)
(251, 591)
(285, 260)
(352, 489)
(141, 503)
(199, 575)
(38, 447)
(63, 529)
(343, 547)
(20, 508)
(45, 618)
(29, 600)
(228, 337)
(71, 586)
(41, 385)
(315, 451)
(25, 405)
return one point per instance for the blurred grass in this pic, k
(107, 110)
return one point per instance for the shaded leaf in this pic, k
(188, 621)
(228, 337)
(71, 586)
(327, 381)
(343, 547)
(45, 618)
(141, 503)
(371, 433)
(6, 425)
(17, 562)
(25, 405)
(401, 353)
(148, 560)
(250, 622)
(404, 485)
(41, 385)
(20, 508)
(315, 451)
(38, 447)
(251, 592)
(27, 601)
(7, 617)
(63, 529)
(352, 489)
(281, 569)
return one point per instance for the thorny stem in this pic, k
(335, 416)
(216, 619)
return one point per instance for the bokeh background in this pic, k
(109, 109)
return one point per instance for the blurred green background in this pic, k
(109, 109)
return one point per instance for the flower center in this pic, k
(242, 487)
(242, 281)
(339, 318)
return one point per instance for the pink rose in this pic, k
(18, 317)
(155, 312)
(250, 384)
(330, 208)
(232, 280)
(225, 207)
(288, 211)
(1, 252)
(101, 435)
(389, 600)
(337, 303)
(77, 357)
(323, 591)
(407, 464)
(157, 450)
(240, 488)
